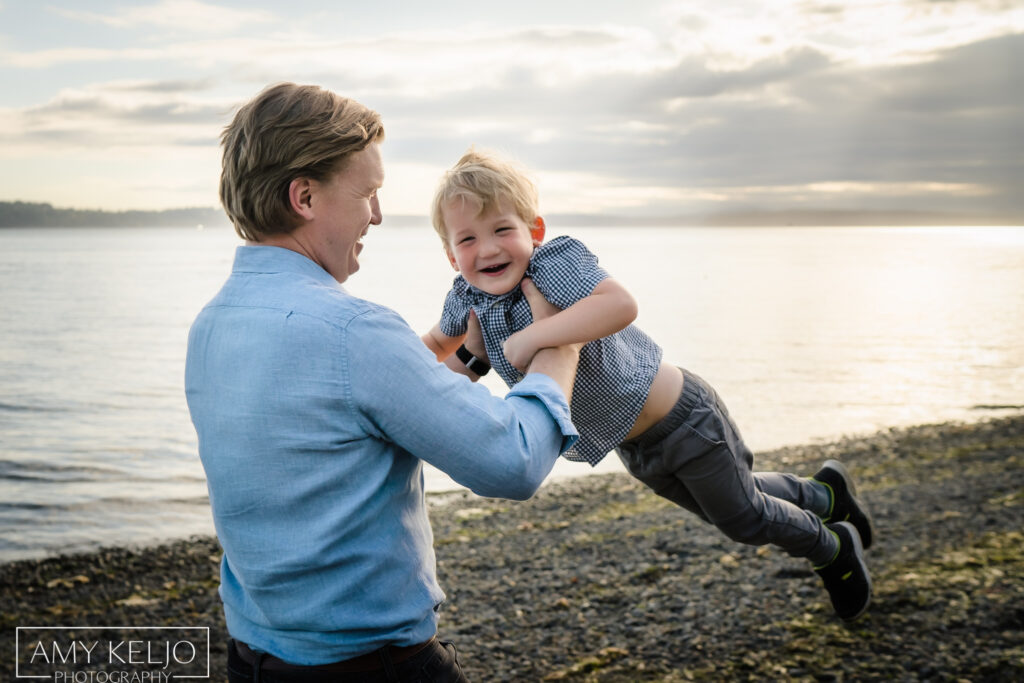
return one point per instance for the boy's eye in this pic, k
(465, 240)
(504, 229)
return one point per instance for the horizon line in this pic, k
(734, 217)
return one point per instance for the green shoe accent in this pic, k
(847, 579)
(839, 546)
(845, 507)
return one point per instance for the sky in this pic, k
(642, 108)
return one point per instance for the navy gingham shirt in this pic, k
(615, 373)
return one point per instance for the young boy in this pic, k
(668, 426)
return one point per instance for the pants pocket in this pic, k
(701, 434)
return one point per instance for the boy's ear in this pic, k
(537, 231)
(300, 197)
(451, 258)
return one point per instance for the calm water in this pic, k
(808, 333)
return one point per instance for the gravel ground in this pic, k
(597, 579)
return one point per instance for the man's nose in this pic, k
(375, 214)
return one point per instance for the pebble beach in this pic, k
(598, 579)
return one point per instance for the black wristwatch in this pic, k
(477, 366)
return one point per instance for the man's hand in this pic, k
(539, 306)
(558, 362)
(541, 309)
(519, 349)
(474, 341)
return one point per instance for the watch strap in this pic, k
(475, 365)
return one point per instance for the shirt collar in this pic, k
(258, 258)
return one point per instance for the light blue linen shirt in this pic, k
(315, 411)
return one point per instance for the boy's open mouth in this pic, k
(494, 270)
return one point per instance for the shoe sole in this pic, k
(840, 469)
(858, 552)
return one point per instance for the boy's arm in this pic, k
(444, 346)
(608, 309)
(440, 343)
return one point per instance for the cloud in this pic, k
(414, 63)
(47, 58)
(164, 86)
(981, 77)
(728, 103)
(116, 114)
(857, 32)
(942, 132)
(187, 15)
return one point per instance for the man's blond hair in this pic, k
(486, 179)
(288, 131)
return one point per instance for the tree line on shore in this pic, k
(20, 214)
(44, 215)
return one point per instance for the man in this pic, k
(315, 411)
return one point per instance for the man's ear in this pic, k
(537, 231)
(300, 197)
(451, 258)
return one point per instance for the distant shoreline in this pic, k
(40, 215)
(43, 215)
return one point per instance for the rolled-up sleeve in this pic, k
(565, 271)
(455, 312)
(496, 447)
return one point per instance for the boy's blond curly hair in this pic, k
(487, 179)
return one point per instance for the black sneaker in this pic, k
(846, 577)
(845, 506)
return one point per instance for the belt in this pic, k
(371, 661)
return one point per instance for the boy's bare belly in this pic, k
(662, 397)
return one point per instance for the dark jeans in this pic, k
(436, 663)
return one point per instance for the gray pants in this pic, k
(696, 458)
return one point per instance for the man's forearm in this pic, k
(559, 363)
